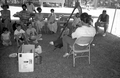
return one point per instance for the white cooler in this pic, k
(26, 62)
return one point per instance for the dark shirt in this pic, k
(104, 18)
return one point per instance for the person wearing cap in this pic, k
(39, 20)
(5, 16)
(103, 21)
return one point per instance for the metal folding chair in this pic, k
(81, 46)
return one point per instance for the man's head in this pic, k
(24, 7)
(29, 2)
(5, 6)
(104, 12)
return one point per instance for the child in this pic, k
(19, 34)
(5, 37)
(32, 34)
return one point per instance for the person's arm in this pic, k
(27, 33)
(18, 14)
(0, 15)
(74, 33)
(43, 17)
(49, 16)
(1, 37)
(9, 15)
(9, 35)
(26, 38)
(99, 18)
(35, 31)
(107, 21)
(54, 18)
(33, 7)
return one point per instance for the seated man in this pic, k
(85, 30)
(19, 34)
(102, 21)
(32, 33)
(24, 16)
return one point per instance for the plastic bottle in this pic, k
(39, 49)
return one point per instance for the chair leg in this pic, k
(73, 60)
(89, 57)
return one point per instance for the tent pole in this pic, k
(113, 19)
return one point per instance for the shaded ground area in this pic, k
(105, 61)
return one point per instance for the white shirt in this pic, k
(30, 8)
(84, 31)
(19, 33)
(6, 36)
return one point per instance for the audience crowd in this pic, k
(32, 21)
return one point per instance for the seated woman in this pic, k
(5, 15)
(5, 37)
(76, 20)
(52, 24)
(32, 34)
(24, 16)
(39, 20)
(19, 35)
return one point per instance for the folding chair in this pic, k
(81, 46)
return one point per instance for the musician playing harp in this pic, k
(86, 29)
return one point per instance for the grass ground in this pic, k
(105, 61)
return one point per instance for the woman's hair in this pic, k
(89, 19)
(39, 8)
(52, 10)
(5, 29)
(84, 16)
(5, 5)
(23, 5)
